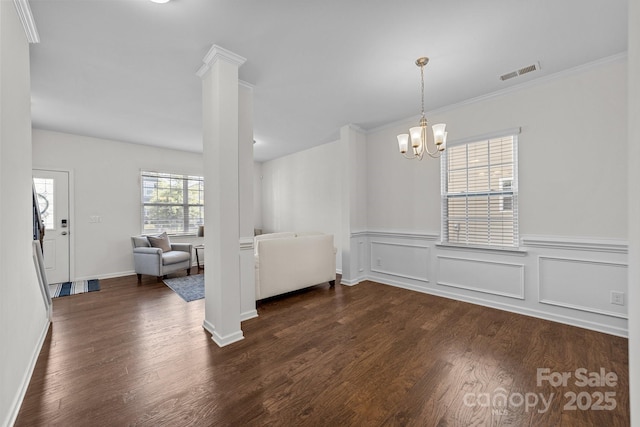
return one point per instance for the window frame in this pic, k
(511, 193)
(186, 205)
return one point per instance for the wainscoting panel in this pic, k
(582, 284)
(567, 280)
(410, 261)
(497, 278)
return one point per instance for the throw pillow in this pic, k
(161, 241)
(141, 242)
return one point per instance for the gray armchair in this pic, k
(155, 261)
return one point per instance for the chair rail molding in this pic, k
(403, 234)
(576, 243)
(246, 243)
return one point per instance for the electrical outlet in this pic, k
(379, 262)
(617, 298)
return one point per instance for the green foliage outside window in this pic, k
(171, 203)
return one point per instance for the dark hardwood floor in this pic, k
(367, 355)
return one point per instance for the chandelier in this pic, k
(418, 135)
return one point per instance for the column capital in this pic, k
(217, 53)
(26, 17)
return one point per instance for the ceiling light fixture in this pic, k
(418, 134)
(160, 1)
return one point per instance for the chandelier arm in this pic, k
(414, 156)
(408, 157)
(430, 153)
(435, 155)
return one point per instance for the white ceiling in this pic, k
(125, 69)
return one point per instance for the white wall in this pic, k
(23, 315)
(572, 203)
(572, 158)
(302, 192)
(106, 183)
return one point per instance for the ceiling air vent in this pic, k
(521, 71)
(509, 75)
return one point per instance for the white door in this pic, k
(52, 188)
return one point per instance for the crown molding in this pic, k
(28, 23)
(217, 53)
(356, 128)
(511, 89)
(485, 136)
(246, 85)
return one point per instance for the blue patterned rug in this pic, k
(73, 288)
(190, 288)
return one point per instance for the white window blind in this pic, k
(480, 193)
(171, 203)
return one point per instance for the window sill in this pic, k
(489, 249)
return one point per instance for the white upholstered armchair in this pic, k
(157, 256)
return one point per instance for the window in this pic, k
(171, 203)
(480, 193)
(44, 190)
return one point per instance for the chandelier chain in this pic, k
(422, 78)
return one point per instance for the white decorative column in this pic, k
(353, 156)
(220, 153)
(245, 181)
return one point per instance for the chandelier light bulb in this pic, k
(403, 142)
(439, 133)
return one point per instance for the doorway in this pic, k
(52, 189)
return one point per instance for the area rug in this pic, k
(190, 288)
(73, 288)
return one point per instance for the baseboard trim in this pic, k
(17, 402)
(251, 314)
(208, 326)
(351, 282)
(228, 339)
(107, 276)
(219, 339)
(567, 320)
